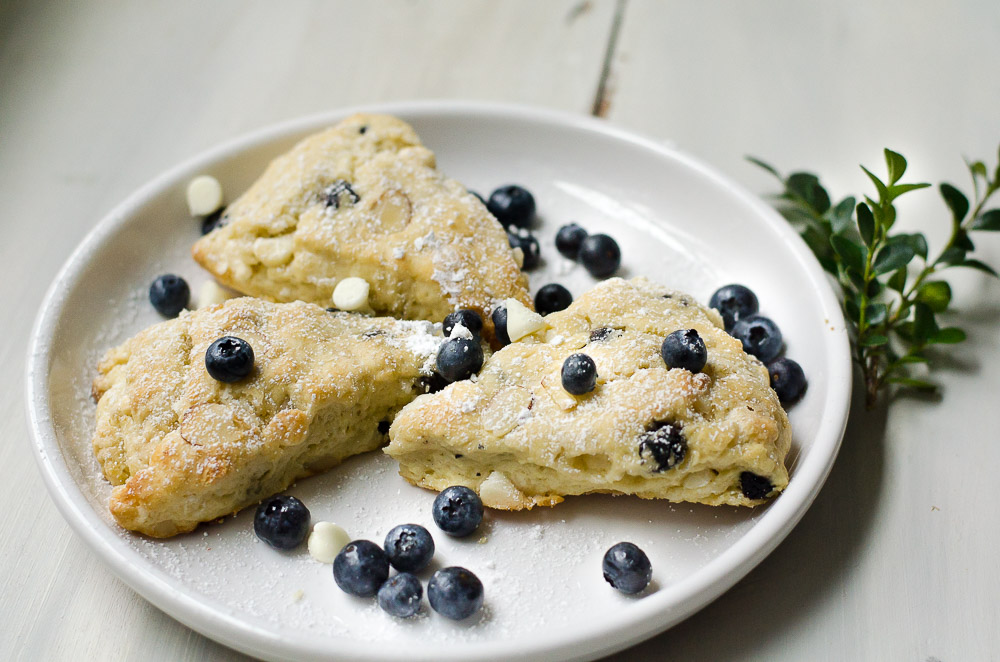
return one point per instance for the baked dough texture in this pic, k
(520, 440)
(182, 448)
(364, 199)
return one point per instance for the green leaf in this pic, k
(905, 331)
(988, 220)
(979, 266)
(948, 336)
(900, 189)
(874, 341)
(924, 325)
(892, 256)
(806, 185)
(852, 310)
(936, 294)
(866, 224)
(919, 243)
(819, 244)
(876, 313)
(897, 281)
(963, 241)
(875, 288)
(978, 169)
(956, 201)
(765, 166)
(896, 165)
(910, 382)
(953, 255)
(911, 358)
(840, 216)
(850, 252)
(883, 192)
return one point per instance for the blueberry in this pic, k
(282, 522)
(458, 511)
(383, 427)
(529, 247)
(552, 298)
(213, 221)
(360, 568)
(603, 333)
(685, 349)
(499, 318)
(760, 337)
(627, 568)
(512, 205)
(409, 547)
(229, 359)
(400, 596)
(664, 444)
(169, 294)
(734, 302)
(468, 318)
(459, 358)
(432, 383)
(455, 593)
(787, 380)
(579, 374)
(568, 240)
(754, 486)
(600, 255)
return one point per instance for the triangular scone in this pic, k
(364, 199)
(519, 439)
(183, 448)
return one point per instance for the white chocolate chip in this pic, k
(274, 251)
(521, 321)
(326, 540)
(351, 293)
(211, 293)
(204, 195)
(498, 492)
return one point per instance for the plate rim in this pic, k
(646, 618)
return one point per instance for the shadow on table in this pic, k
(817, 558)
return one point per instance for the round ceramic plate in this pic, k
(677, 221)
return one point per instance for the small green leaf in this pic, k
(883, 192)
(924, 325)
(979, 266)
(866, 224)
(963, 241)
(875, 288)
(911, 358)
(900, 189)
(897, 281)
(852, 310)
(840, 215)
(989, 220)
(806, 185)
(953, 255)
(876, 313)
(896, 165)
(919, 243)
(956, 201)
(765, 166)
(850, 252)
(936, 294)
(910, 382)
(905, 331)
(978, 169)
(892, 256)
(948, 336)
(874, 341)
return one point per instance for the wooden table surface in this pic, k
(896, 560)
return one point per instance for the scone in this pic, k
(517, 437)
(364, 199)
(183, 448)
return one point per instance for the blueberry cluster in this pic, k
(514, 207)
(598, 253)
(459, 358)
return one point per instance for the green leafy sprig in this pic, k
(892, 287)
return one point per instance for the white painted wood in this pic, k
(894, 561)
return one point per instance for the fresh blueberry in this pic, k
(361, 568)
(282, 522)
(213, 221)
(459, 358)
(432, 383)
(169, 294)
(512, 205)
(400, 596)
(468, 318)
(499, 318)
(627, 568)
(760, 337)
(685, 349)
(568, 240)
(552, 298)
(458, 511)
(603, 333)
(229, 359)
(579, 374)
(529, 247)
(600, 255)
(734, 302)
(455, 593)
(754, 486)
(409, 547)
(664, 444)
(787, 380)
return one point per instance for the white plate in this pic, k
(677, 221)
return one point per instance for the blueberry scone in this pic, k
(363, 199)
(182, 447)
(517, 436)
